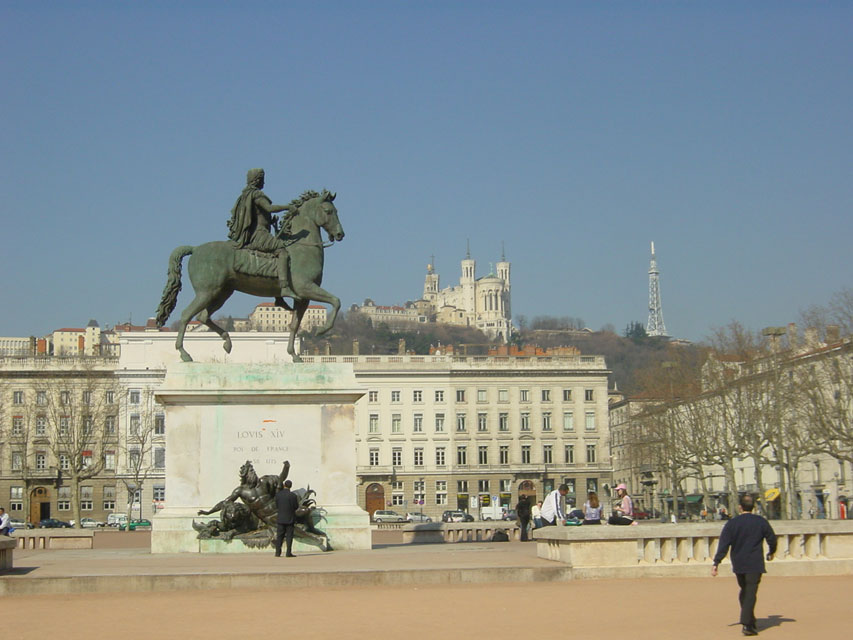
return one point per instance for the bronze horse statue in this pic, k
(218, 269)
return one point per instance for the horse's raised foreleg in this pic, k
(315, 292)
(300, 305)
(206, 316)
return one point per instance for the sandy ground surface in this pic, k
(662, 609)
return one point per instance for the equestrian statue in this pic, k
(261, 257)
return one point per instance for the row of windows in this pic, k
(88, 424)
(41, 459)
(439, 423)
(483, 455)
(86, 497)
(134, 396)
(484, 487)
(524, 395)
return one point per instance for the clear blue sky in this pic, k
(575, 133)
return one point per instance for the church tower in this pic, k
(431, 282)
(503, 268)
(468, 283)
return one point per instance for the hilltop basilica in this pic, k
(482, 303)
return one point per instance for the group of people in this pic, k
(550, 511)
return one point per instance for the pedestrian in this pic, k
(592, 509)
(745, 535)
(286, 503)
(623, 511)
(522, 509)
(4, 522)
(536, 512)
(552, 508)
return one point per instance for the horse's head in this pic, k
(331, 223)
(322, 211)
(317, 210)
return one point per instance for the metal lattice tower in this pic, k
(655, 325)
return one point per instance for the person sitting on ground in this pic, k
(623, 512)
(592, 509)
(536, 513)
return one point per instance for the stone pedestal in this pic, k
(220, 415)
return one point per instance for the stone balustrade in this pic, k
(439, 532)
(807, 547)
(7, 548)
(54, 538)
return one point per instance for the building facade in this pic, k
(433, 433)
(437, 433)
(73, 432)
(268, 317)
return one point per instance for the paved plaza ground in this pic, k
(659, 608)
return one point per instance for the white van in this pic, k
(492, 512)
(116, 519)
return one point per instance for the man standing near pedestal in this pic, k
(745, 535)
(287, 504)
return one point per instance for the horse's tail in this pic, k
(173, 284)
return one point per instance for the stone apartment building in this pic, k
(460, 432)
(268, 317)
(456, 432)
(67, 416)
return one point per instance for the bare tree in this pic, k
(75, 404)
(825, 383)
(839, 312)
(141, 449)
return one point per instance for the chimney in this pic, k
(833, 334)
(355, 347)
(792, 335)
(810, 337)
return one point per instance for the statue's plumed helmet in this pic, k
(253, 175)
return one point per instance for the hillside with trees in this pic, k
(625, 356)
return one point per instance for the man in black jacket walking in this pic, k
(745, 535)
(287, 503)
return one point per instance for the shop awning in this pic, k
(771, 494)
(698, 498)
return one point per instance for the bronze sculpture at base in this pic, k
(253, 521)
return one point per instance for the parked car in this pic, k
(510, 515)
(20, 524)
(136, 524)
(53, 523)
(387, 516)
(91, 523)
(116, 519)
(456, 516)
(417, 517)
